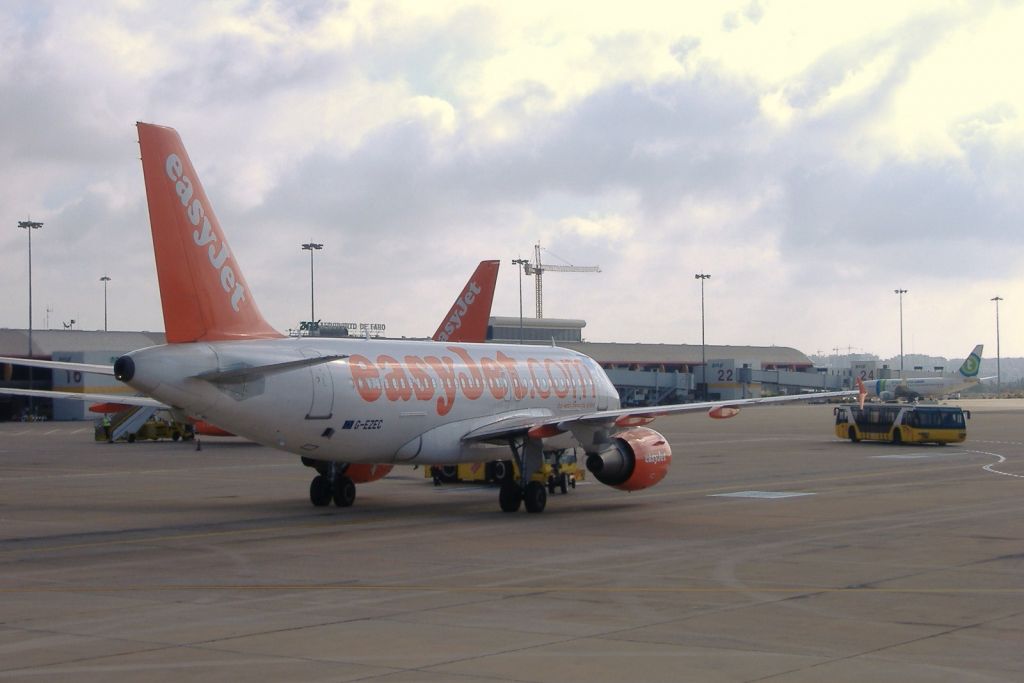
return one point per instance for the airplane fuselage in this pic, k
(918, 387)
(389, 401)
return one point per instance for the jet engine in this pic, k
(887, 396)
(635, 459)
(359, 473)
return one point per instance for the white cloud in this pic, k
(805, 155)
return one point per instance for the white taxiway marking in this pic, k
(917, 456)
(991, 468)
(761, 494)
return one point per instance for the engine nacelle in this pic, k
(887, 396)
(636, 459)
(723, 412)
(361, 473)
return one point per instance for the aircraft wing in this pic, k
(60, 365)
(92, 398)
(542, 426)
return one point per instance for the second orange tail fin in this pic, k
(202, 289)
(466, 320)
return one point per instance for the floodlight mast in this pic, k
(703, 359)
(999, 374)
(29, 226)
(900, 293)
(311, 247)
(105, 279)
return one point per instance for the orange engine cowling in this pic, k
(360, 473)
(637, 458)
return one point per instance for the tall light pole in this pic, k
(520, 262)
(30, 226)
(901, 292)
(105, 279)
(999, 376)
(311, 247)
(703, 358)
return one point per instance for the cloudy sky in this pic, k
(812, 157)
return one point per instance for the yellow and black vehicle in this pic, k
(902, 423)
(150, 426)
(560, 472)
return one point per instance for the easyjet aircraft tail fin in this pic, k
(972, 364)
(466, 321)
(204, 294)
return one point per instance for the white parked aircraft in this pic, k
(914, 388)
(353, 408)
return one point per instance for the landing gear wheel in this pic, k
(509, 497)
(564, 483)
(344, 492)
(501, 471)
(536, 497)
(320, 491)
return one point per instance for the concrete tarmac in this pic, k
(157, 562)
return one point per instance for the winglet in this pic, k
(204, 294)
(466, 320)
(862, 393)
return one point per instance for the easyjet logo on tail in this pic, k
(455, 315)
(204, 236)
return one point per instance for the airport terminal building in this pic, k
(654, 374)
(644, 374)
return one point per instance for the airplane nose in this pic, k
(124, 369)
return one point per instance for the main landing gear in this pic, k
(533, 495)
(330, 484)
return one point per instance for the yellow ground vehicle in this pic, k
(153, 429)
(901, 423)
(560, 471)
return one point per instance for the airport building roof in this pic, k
(14, 342)
(615, 354)
(45, 342)
(567, 332)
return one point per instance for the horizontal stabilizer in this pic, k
(254, 372)
(60, 365)
(78, 396)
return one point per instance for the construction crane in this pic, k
(537, 269)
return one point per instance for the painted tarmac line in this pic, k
(767, 495)
(918, 456)
(501, 589)
(1001, 460)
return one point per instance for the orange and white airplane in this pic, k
(353, 408)
(465, 321)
